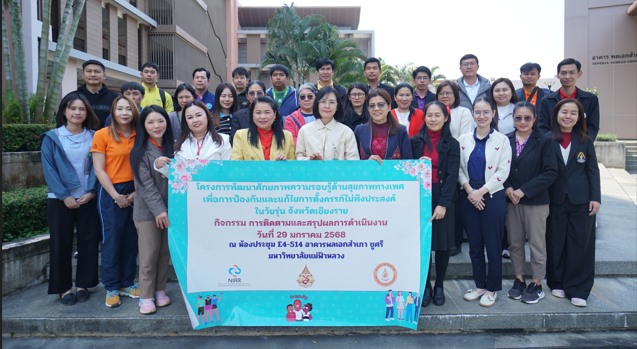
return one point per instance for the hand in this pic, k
(476, 199)
(424, 158)
(518, 194)
(70, 202)
(130, 198)
(316, 156)
(161, 161)
(85, 198)
(377, 159)
(121, 201)
(593, 208)
(439, 213)
(280, 157)
(509, 193)
(162, 220)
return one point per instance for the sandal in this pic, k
(68, 299)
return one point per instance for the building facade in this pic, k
(602, 35)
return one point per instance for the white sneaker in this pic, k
(488, 300)
(578, 302)
(558, 293)
(474, 294)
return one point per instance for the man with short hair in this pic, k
(133, 90)
(201, 81)
(153, 94)
(471, 85)
(240, 78)
(372, 72)
(530, 92)
(569, 71)
(99, 96)
(422, 95)
(284, 95)
(325, 71)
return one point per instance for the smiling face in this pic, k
(226, 100)
(403, 98)
(378, 109)
(123, 112)
(530, 78)
(155, 125)
(567, 116)
(372, 71)
(239, 81)
(263, 116)
(197, 120)
(569, 75)
(446, 96)
(325, 74)
(327, 107)
(523, 120)
(254, 91)
(469, 68)
(357, 97)
(93, 75)
(306, 100)
(184, 97)
(135, 95)
(422, 82)
(435, 118)
(483, 114)
(502, 94)
(75, 113)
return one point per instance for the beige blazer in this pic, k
(243, 150)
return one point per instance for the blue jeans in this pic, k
(119, 239)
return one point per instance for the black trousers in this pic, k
(570, 249)
(62, 224)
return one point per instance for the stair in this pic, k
(631, 156)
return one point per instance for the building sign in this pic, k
(611, 59)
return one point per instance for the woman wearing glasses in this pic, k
(533, 170)
(382, 137)
(326, 138)
(303, 115)
(241, 119)
(356, 109)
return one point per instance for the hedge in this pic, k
(24, 213)
(606, 137)
(21, 137)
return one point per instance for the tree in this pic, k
(47, 91)
(436, 78)
(299, 42)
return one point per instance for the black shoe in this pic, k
(517, 290)
(455, 250)
(82, 295)
(426, 298)
(68, 299)
(439, 296)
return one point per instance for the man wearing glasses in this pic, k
(422, 95)
(471, 85)
(325, 71)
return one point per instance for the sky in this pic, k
(503, 34)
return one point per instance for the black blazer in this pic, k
(534, 170)
(589, 101)
(541, 93)
(579, 179)
(429, 97)
(448, 166)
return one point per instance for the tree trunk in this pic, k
(43, 63)
(72, 9)
(6, 53)
(18, 54)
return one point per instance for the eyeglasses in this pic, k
(445, 94)
(525, 118)
(306, 97)
(256, 93)
(378, 105)
(469, 64)
(421, 78)
(357, 95)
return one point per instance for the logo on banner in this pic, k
(234, 271)
(305, 279)
(385, 274)
(234, 280)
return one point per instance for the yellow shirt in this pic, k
(151, 97)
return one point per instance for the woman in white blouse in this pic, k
(198, 138)
(326, 138)
(503, 94)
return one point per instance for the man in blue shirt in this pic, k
(201, 81)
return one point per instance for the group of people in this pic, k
(507, 166)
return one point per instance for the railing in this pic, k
(162, 11)
(161, 48)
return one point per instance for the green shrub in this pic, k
(11, 107)
(24, 213)
(606, 137)
(20, 137)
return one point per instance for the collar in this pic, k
(319, 86)
(149, 88)
(330, 125)
(564, 96)
(466, 85)
(475, 138)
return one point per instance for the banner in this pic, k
(300, 243)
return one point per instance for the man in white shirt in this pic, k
(471, 84)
